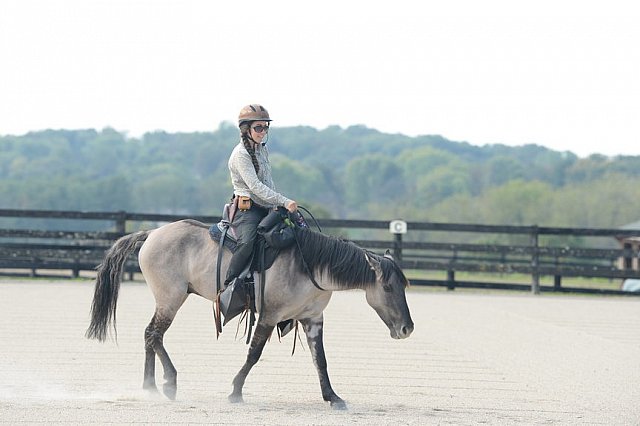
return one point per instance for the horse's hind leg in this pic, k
(150, 358)
(153, 338)
(258, 341)
(153, 345)
(313, 328)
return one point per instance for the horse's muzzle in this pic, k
(402, 332)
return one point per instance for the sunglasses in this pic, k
(260, 128)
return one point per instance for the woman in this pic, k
(253, 187)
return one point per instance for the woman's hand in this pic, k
(292, 206)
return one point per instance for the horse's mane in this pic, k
(343, 260)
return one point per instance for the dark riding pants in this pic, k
(245, 224)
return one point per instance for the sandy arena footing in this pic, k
(490, 358)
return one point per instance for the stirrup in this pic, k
(284, 327)
(235, 299)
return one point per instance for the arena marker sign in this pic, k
(398, 227)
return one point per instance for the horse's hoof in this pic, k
(236, 398)
(153, 390)
(339, 405)
(170, 391)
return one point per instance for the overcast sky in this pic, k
(562, 74)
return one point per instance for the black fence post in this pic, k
(557, 279)
(557, 282)
(535, 261)
(121, 222)
(451, 279)
(627, 257)
(397, 228)
(397, 248)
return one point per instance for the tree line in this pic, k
(353, 172)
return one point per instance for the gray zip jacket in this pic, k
(246, 182)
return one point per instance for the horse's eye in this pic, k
(387, 288)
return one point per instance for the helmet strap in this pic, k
(253, 141)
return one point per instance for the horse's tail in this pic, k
(105, 297)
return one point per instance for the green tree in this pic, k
(373, 177)
(352, 172)
(297, 180)
(441, 183)
(517, 203)
(502, 169)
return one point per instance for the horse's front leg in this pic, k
(258, 341)
(313, 329)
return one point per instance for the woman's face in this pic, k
(259, 130)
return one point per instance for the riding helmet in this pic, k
(253, 112)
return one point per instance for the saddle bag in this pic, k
(277, 229)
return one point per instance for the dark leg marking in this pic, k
(154, 335)
(314, 331)
(150, 359)
(258, 341)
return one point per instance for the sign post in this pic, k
(397, 227)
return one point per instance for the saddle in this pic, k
(275, 232)
(230, 243)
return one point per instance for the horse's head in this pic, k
(387, 296)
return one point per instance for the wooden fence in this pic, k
(73, 250)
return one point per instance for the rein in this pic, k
(314, 219)
(304, 262)
(216, 312)
(306, 266)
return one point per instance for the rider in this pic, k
(253, 187)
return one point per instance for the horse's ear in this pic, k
(387, 254)
(374, 264)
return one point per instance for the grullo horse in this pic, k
(179, 259)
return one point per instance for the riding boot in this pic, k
(245, 224)
(239, 261)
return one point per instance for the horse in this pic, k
(179, 259)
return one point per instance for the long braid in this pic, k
(244, 134)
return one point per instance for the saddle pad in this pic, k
(215, 232)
